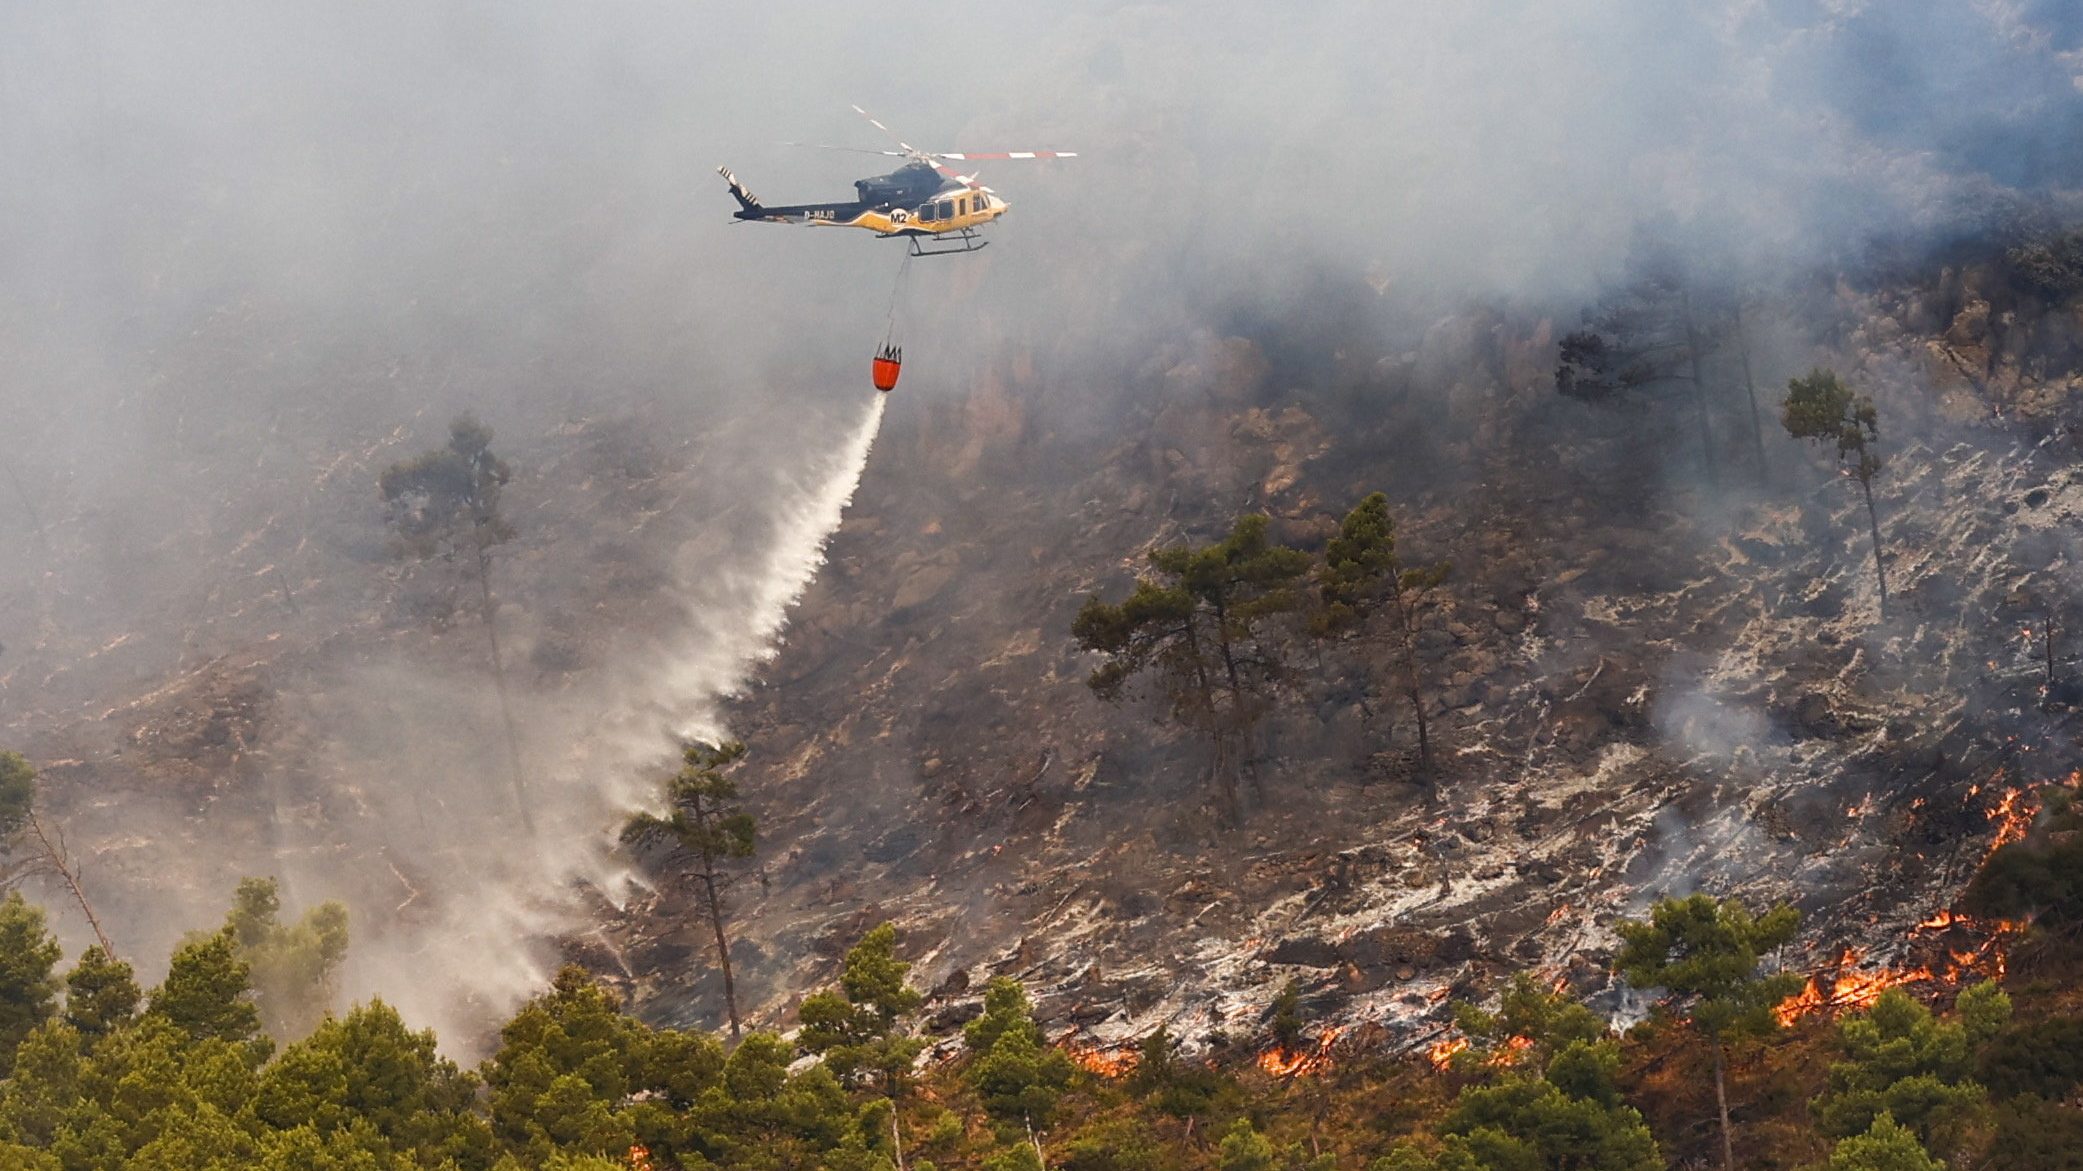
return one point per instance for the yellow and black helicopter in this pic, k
(925, 201)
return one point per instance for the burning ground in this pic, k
(1648, 684)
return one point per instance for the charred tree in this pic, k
(1202, 628)
(445, 504)
(1821, 407)
(19, 820)
(1362, 579)
(1657, 333)
(708, 825)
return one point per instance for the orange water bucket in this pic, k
(887, 365)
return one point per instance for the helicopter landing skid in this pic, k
(967, 239)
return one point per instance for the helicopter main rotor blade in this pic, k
(859, 150)
(908, 148)
(1008, 154)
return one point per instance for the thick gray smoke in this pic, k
(250, 253)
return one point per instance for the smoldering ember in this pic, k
(1463, 590)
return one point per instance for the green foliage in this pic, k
(17, 793)
(852, 1029)
(706, 820)
(1178, 1088)
(434, 498)
(2044, 1058)
(1885, 1146)
(1202, 628)
(1122, 1144)
(567, 1062)
(2028, 879)
(208, 994)
(101, 994)
(2049, 263)
(1527, 1012)
(1019, 1156)
(1243, 1148)
(368, 1077)
(28, 957)
(1904, 1063)
(292, 966)
(2037, 1135)
(1706, 951)
(1822, 408)
(1018, 1079)
(1286, 1017)
(1362, 574)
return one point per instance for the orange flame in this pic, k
(639, 1157)
(2014, 816)
(1279, 1062)
(1117, 1062)
(1441, 1052)
(1848, 987)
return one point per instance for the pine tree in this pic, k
(293, 966)
(208, 993)
(1705, 951)
(1821, 407)
(1884, 1146)
(101, 994)
(1904, 1063)
(445, 503)
(853, 1029)
(29, 955)
(1018, 1079)
(1362, 577)
(1202, 628)
(708, 824)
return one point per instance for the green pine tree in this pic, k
(708, 824)
(1362, 577)
(1203, 628)
(1901, 1061)
(1821, 407)
(1705, 952)
(101, 994)
(853, 1029)
(208, 993)
(29, 956)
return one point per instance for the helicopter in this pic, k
(931, 205)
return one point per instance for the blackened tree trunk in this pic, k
(1699, 389)
(730, 987)
(488, 613)
(1750, 389)
(1721, 1100)
(1880, 565)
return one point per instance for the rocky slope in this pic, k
(1646, 682)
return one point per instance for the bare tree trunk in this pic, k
(730, 987)
(1750, 388)
(506, 709)
(896, 1135)
(1413, 686)
(54, 854)
(1721, 1100)
(1699, 391)
(1880, 567)
(2049, 640)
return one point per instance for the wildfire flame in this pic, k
(1441, 1052)
(639, 1157)
(2014, 816)
(1117, 1062)
(1848, 987)
(1279, 1062)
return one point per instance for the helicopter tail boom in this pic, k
(746, 199)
